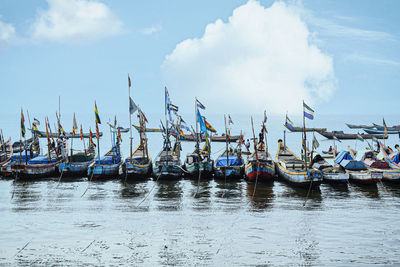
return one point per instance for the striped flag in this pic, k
(209, 127)
(81, 133)
(200, 105)
(336, 139)
(23, 131)
(308, 112)
(74, 126)
(36, 130)
(47, 132)
(97, 131)
(36, 121)
(96, 113)
(359, 137)
(91, 137)
(119, 135)
(289, 124)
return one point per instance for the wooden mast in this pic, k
(305, 139)
(130, 119)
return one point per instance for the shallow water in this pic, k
(181, 223)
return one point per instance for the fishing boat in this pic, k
(106, 167)
(358, 172)
(259, 165)
(389, 174)
(229, 165)
(6, 152)
(168, 164)
(77, 164)
(381, 132)
(296, 129)
(294, 170)
(333, 174)
(389, 128)
(138, 164)
(361, 126)
(346, 136)
(392, 158)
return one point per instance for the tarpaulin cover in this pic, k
(233, 161)
(397, 159)
(107, 160)
(22, 157)
(353, 165)
(41, 160)
(342, 155)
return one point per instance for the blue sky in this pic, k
(341, 56)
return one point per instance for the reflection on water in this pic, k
(184, 222)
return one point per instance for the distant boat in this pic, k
(361, 126)
(358, 172)
(390, 128)
(345, 136)
(330, 173)
(260, 166)
(381, 132)
(301, 129)
(371, 161)
(293, 170)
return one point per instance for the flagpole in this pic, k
(197, 132)
(166, 123)
(130, 119)
(305, 139)
(226, 142)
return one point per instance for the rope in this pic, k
(149, 191)
(309, 190)
(59, 180)
(255, 186)
(198, 183)
(90, 180)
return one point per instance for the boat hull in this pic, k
(205, 168)
(74, 169)
(102, 172)
(229, 172)
(335, 178)
(364, 177)
(36, 171)
(263, 172)
(167, 172)
(130, 171)
(300, 179)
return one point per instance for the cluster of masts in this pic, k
(24, 161)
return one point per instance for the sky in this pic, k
(237, 57)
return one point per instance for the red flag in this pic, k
(81, 133)
(97, 131)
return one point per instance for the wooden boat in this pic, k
(229, 164)
(301, 129)
(362, 126)
(139, 164)
(345, 136)
(168, 163)
(381, 132)
(39, 167)
(106, 167)
(388, 174)
(389, 128)
(77, 165)
(293, 170)
(260, 167)
(196, 163)
(358, 172)
(6, 152)
(393, 159)
(332, 174)
(67, 135)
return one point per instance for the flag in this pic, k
(359, 137)
(308, 112)
(119, 135)
(289, 124)
(200, 120)
(36, 130)
(47, 132)
(265, 116)
(90, 137)
(230, 121)
(129, 81)
(183, 126)
(181, 134)
(385, 127)
(315, 143)
(336, 139)
(81, 133)
(141, 114)
(74, 126)
(96, 114)
(200, 105)
(173, 107)
(36, 121)
(375, 139)
(97, 131)
(61, 129)
(132, 106)
(23, 131)
(167, 103)
(209, 127)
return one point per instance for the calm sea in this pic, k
(224, 224)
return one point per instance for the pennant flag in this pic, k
(97, 131)
(173, 107)
(36, 121)
(91, 137)
(230, 121)
(129, 81)
(289, 124)
(336, 139)
(61, 129)
(74, 126)
(209, 127)
(47, 132)
(119, 135)
(181, 134)
(385, 127)
(200, 105)
(185, 127)
(143, 116)
(265, 116)
(359, 137)
(96, 113)
(81, 133)
(36, 130)
(132, 106)
(308, 112)
(168, 103)
(315, 143)
(23, 131)
(200, 120)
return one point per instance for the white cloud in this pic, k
(261, 58)
(75, 21)
(151, 30)
(7, 32)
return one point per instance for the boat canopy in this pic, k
(42, 160)
(108, 160)
(18, 157)
(344, 155)
(233, 161)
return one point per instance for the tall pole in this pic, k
(226, 143)
(166, 123)
(130, 119)
(305, 139)
(254, 141)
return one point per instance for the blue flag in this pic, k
(200, 120)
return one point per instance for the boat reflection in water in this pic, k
(260, 195)
(169, 195)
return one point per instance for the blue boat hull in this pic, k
(99, 172)
(74, 169)
(169, 172)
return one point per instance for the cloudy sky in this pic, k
(235, 56)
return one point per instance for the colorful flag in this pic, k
(129, 81)
(74, 126)
(23, 131)
(336, 139)
(91, 137)
(200, 120)
(47, 132)
(96, 113)
(36, 121)
(265, 116)
(359, 137)
(173, 107)
(200, 105)
(132, 106)
(209, 127)
(308, 112)
(81, 133)
(181, 134)
(385, 127)
(36, 130)
(289, 124)
(61, 129)
(315, 143)
(230, 121)
(119, 135)
(97, 131)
